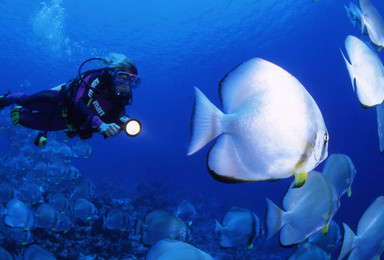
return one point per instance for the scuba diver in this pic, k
(92, 102)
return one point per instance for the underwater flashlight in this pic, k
(132, 127)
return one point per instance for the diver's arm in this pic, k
(93, 122)
(83, 97)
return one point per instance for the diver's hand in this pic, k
(109, 130)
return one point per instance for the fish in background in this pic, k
(300, 218)
(28, 151)
(328, 242)
(31, 192)
(20, 235)
(366, 72)
(46, 217)
(18, 215)
(4, 255)
(63, 153)
(186, 211)
(368, 241)
(84, 210)
(63, 224)
(270, 127)
(341, 171)
(309, 251)
(353, 14)
(240, 227)
(81, 149)
(167, 249)
(60, 203)
(34, 252)
(72, 174)
(372, 20)
(40, 170)
(380, 125)
(7, 192)
(160, 224)
(116, 219)
(84, 188)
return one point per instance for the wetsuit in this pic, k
(85, 108)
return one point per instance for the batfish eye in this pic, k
(326, 137)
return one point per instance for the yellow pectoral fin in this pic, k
(349, 191)
(324, 230)
(327, 215)
(300, 179)
(250, 247)
(300, 175)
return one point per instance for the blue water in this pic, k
(180, 44)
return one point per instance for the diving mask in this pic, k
(126, 78)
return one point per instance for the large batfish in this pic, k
(309, 251)
(341, 171)
(372, 19)
(366, 72)
(368, 241)
(328, 242)
(169, 249)
(306, 210)
(271, 127)
(239, 227)
(380, 125)
(160, 224)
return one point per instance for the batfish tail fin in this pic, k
(350, 70)
(205, 122)
(348, 240)
(362, 20)
(139, 227)
(273, 218)
(218, 229)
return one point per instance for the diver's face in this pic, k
(122, 89)
(124, 82)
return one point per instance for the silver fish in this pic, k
(175, 250)
(271, 127)
(300, 218)
(46, 217)
(341, 171)
(368, 241)
(116, 220)
(160, 224)
(18, 215)
(240, 228)
(309, 251)
(328, 242)
(380, 125)
(186, 211)
(366, 72)
(372, 19)
(34, 252)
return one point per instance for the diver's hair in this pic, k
(117, 61)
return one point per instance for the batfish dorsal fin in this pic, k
(238, 84)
